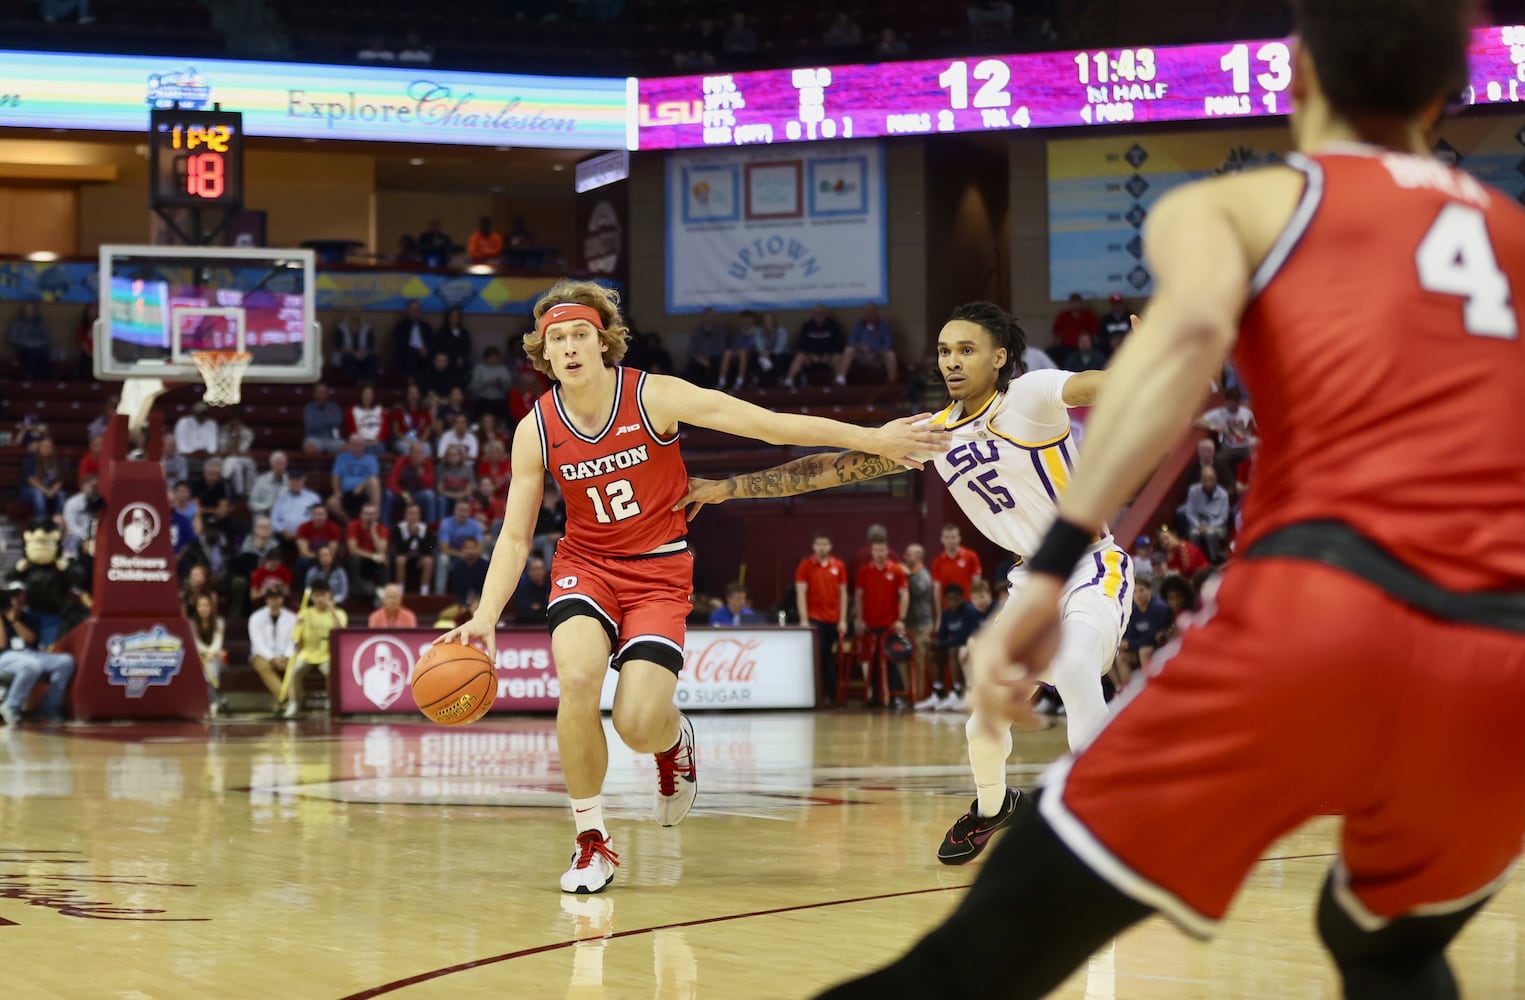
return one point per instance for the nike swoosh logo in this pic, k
(557, 444)
(587, 810)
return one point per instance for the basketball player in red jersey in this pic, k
(622, 575)
(1377, 299)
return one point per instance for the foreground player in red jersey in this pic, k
(622, 575)
(1387, 527)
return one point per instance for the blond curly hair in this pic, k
(588, 293)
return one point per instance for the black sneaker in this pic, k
(968, 837)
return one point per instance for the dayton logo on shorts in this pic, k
(567, 582)
(141, 660)
(605, 464)
(382, 667)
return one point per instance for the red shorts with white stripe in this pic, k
(643, 602)
(1303, 691)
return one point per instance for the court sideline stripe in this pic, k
(424, 977)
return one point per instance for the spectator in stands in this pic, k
(28, 334)
(1206, 513)
(435, 245)
(175, 466)
(773, 345)
(453, 340)
(214, 499)
(451, 404)
(956, 624)
(79, 513)
(454, 480)
(871, 343)
(1207, 458)
(820, 595)
(196, 436)
(706, 346)
(1070, 324)
(468, 572)
(411, 420)
(981, 599)
(459, 437)
(23, 663)
(921, 612)
(533, 595)
(268, 485)
(489, 384)
(1235, 426)
(42, 480)
(322, 424)
(369, 546)
(412, 337)
(319, 531)
(327, 571)
(414, 51)
(484, 246)
(314, 625)
(260, 547)
(739, 38)
(955, 564)
(874, 534)
(90, 461)
(1116, 323)
(488, 506)
(355, 479)
(367, 419)
(488, 431)
(843, 33)
(198, 584)
(1150, 620)
(454, 532)
(821, 342)
(210, 630)
(883, 596)
(392, 614)
(234, 439)
(1179, 596)
(184, 518)
(889, 45)
(739, 353)
(271, 642)
(1143, 559)
(1085, 357)
(731, 613)
(1181, 556)
(355, 348)
(550, 522)
(376, 51)
(496, 465)
(259, 543)
(413, 549)
(411, 482)
(440, 379)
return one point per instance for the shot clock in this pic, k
(195, 159)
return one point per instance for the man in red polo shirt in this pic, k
(954, 564)
(369, 541)
(883, 596)
(1181, 555)
(820, 591)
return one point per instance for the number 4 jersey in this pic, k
(1011, 459)
(620, 484)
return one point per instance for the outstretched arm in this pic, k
(803, 475)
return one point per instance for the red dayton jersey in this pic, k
(1387, 365)
(619, 485)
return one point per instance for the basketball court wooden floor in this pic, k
(258, 859)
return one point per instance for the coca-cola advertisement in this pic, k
(724, 669)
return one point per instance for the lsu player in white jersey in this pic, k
(1009, 461)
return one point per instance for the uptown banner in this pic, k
(776, 227)
(724, 669)
(305, 101)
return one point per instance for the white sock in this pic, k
(1076, 672)
(589, 814)
(989, 746)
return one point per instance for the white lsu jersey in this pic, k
(1011, 459)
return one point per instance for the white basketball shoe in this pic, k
(677, 777)
(593, 864)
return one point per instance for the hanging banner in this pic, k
(776, 228)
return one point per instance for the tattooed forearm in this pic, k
(811, 473)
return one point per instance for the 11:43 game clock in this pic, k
(195, 159)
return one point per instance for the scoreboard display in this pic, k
(1040, 90)
(196, 159)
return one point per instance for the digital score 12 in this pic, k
(196, 159)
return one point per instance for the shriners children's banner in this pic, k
(776, 227)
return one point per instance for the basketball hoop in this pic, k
(223, 372)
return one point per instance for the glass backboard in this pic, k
(159, 304)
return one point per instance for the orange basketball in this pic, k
(454, 684)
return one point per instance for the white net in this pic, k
(223, 372)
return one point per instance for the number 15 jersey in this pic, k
(1011, 460)
(620, 484)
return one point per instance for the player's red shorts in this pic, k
(643, 601)
(1304, 690)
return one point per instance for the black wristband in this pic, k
(1062, 548)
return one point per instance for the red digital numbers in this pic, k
(204, 176)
